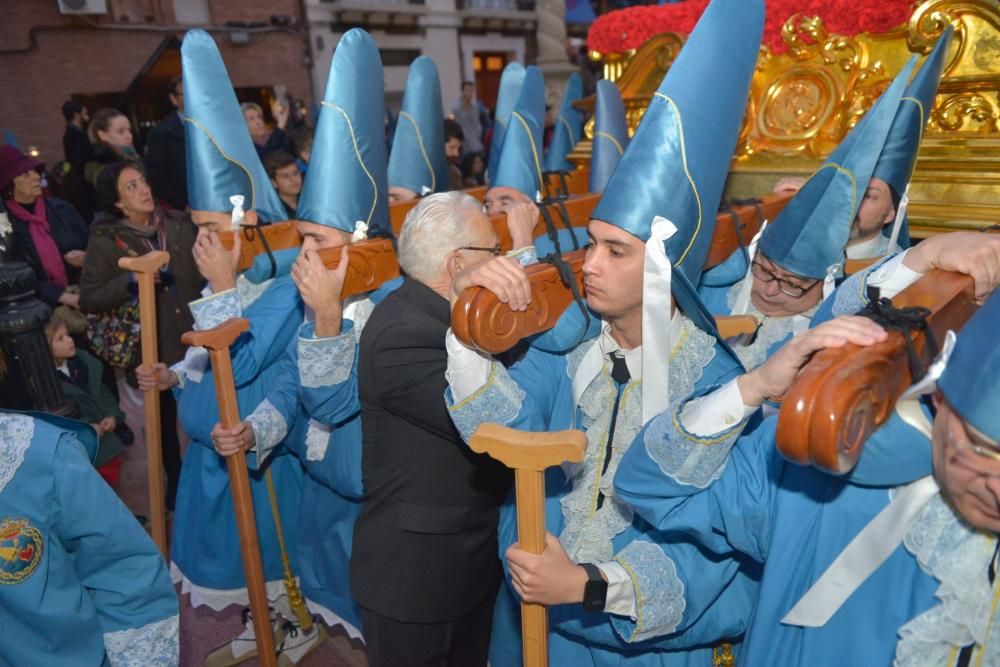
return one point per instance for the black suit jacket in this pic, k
(425, 542)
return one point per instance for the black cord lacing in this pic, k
(730, 208)
(905, 320)
(569, 280)
(249, 232)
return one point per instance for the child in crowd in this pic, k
(80, 376)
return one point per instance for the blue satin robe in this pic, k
(536, 394)
(81, 583)
(205, 545)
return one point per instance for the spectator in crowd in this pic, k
(76, 145)
(165, 155)
(135, 225)
(110, 134)
(470, 114)
(79, 374)
(48, 234)
(473, 170)
(265, 139)
(454, 137)
(302, 139)
(286, 178)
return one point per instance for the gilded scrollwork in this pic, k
(965, 111)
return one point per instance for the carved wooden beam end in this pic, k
(370, 263)
(843, 395)
(480, 320)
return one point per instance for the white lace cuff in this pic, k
(317, 440)
(686, 457)
(524, 256)
(156, 644)
(659, 593)
(269, 429)
(621, 594)
(498, 400)
(324, 362)
(213, 310)
(852, 295)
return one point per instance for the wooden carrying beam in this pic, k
(528, 455)
(482, 321)
(217, 341)
(369, 264)
(577, 182)
(843, 395)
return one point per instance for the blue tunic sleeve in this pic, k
(116, 563)
(732, 513)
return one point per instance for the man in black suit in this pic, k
(424, 568)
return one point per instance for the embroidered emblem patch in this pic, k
(20, 550)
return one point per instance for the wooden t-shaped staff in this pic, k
(217, 341)
(145, 268)
(529, 454)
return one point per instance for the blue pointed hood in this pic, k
(520, 163)
(610, 134)
(676, 165)
(899, 156)
(809, 235)
(221, 158)
(510, 87)
(971, 379)
(568, 129)
(346, 180)
(417, 161)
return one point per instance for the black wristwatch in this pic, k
(595, 593)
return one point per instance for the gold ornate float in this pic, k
(803, 102)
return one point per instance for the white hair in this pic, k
(436, 227)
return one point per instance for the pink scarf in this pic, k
(45, 245)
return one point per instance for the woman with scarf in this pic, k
(134, 225)
(48, 234)
(110, 133)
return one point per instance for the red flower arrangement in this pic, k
(624, 29)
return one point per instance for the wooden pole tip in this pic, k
(217, 338)
(148, 263)
(524, 450)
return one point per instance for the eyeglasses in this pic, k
(788, 289)
(495, 250)
(977, 454)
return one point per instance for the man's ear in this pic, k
(889, 217)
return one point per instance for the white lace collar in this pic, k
(16, 432)
(958, 557)
(633, 357)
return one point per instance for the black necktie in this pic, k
(621, 376)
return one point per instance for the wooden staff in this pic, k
(529, 455)
(217, 341)
(843, 395)
(145, 269)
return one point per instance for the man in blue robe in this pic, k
(795, 260)
(224, 173)
(343, 200)
(648, 242)
(81, 583)
(797, 522)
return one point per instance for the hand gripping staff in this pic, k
(217, 341)
(529, 454)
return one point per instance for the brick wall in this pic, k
(76, 58)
